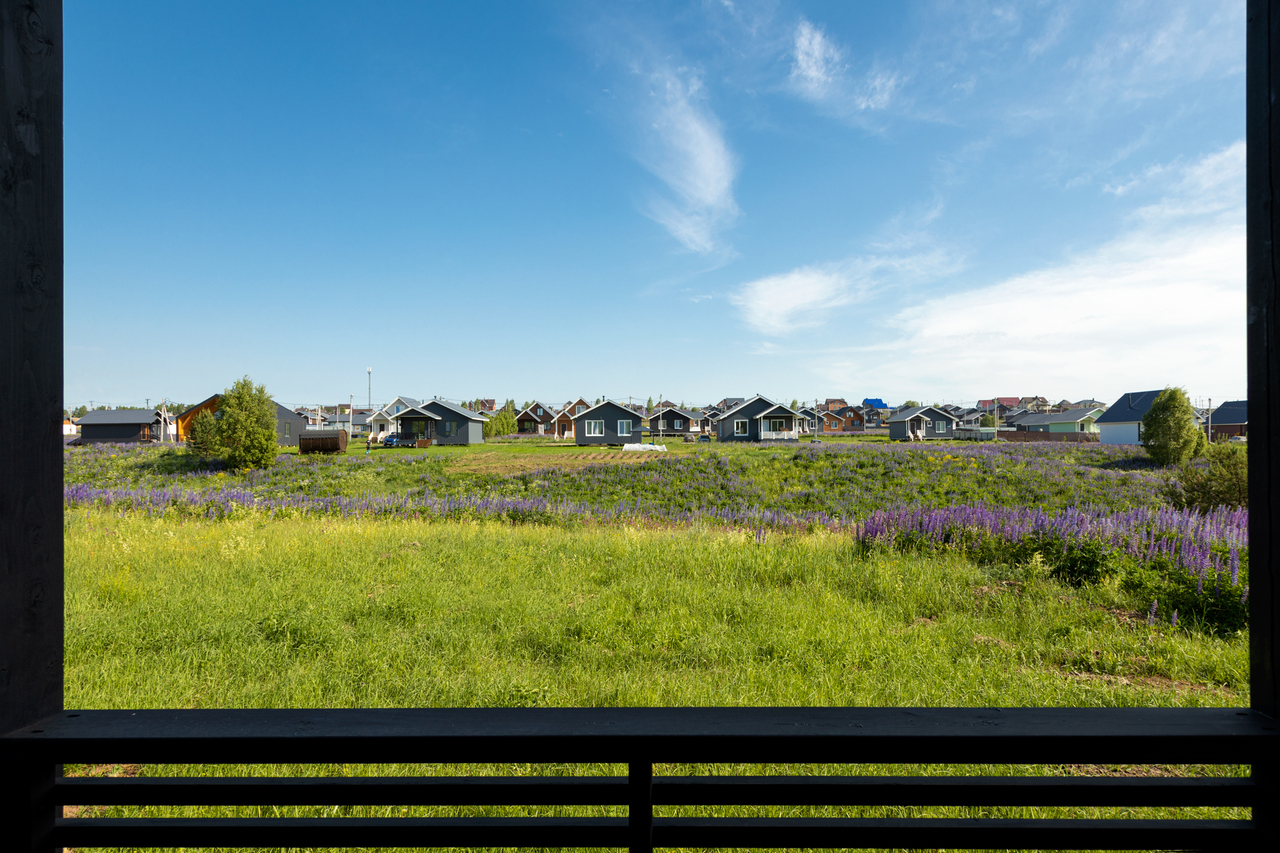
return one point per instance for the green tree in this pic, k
(910, 404)
(648, 407)
(1169, 428)
(204, 434)
(248, 425)
(80, 411)
(1223, 482)
(503, 423)
(986, 421)
(795, 404)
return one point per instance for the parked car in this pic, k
(705, 438)
(399, 439)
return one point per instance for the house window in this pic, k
(398, 408)
(449, 427)
(939, 426)
(580, 409)
(595, 428)
(662, 424)
(777, 424)
(677, 424)
(624, 427)
(740, 427)
(286, 428)
(539, 412)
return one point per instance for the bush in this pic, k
(1169, 428)
(204, 434)
(1224, 481)
(248, 425)
(502, 423)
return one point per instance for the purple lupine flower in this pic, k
(1151, 614)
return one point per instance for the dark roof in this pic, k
(685, 413)
(907, 414)
(453, 407)
(1130, 407)
(1070, 416)
(119, 416)
(1234, 412)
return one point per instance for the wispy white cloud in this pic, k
(686, 149)
(804, 298)
(1161, 304)
(821, 75)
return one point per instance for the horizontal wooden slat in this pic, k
(953, 834)
(340, 832)
(698, 735)
(667, 832)
(670, 790)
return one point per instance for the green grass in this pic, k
(400, 613)
(360, 613)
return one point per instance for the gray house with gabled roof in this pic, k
(922, 422)
(606, 423)
(440, 422)
(759, 419)
(119, 425)
(1230, 419)
(672, 420)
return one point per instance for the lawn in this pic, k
(368, 612)
(536, 574)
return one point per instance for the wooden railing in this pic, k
(640, 738)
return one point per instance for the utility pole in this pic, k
(369, 370)
(1210, 411)
(351, 416)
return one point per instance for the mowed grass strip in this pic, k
(357, 613)
(353, 613)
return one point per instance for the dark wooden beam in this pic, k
(31, 373)
(1262, 130)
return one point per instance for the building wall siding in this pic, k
(1119, 433)
(610, 414)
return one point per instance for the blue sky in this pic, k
(933, 200)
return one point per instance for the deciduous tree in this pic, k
(1169, 428)
(248, 425)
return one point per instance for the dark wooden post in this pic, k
(1263, 134)
(31, 386)
(640, 807)
(31, 374)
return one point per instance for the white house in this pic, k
(1122, 423)
(381, 422)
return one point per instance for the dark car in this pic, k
(400, 439)
(705, 438)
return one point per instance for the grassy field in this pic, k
(189, 585)
(385, 613)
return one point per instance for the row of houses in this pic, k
(439, 421)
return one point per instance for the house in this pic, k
(1089, 404)
(922, 422)
(758, 419)
(535, 420)
(1072, 420)
(606, 423)
(440, 422)
(670, 420)
(851, 419)
(1122, 423)
(1013, 417)
(562, 425)
(808, 419)
(1006, 402)
(831, 404)
(831, 422)
(120, 425)
(1038, 405)
(354, 423)
(1229, 419)
(69, 426)
(380, 421)
(288, 422)
(728, 403)
(873, 403)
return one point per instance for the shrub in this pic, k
(248, 425)
(1169, 428)
(502, 423)
(204, 434)
(1224, 481)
